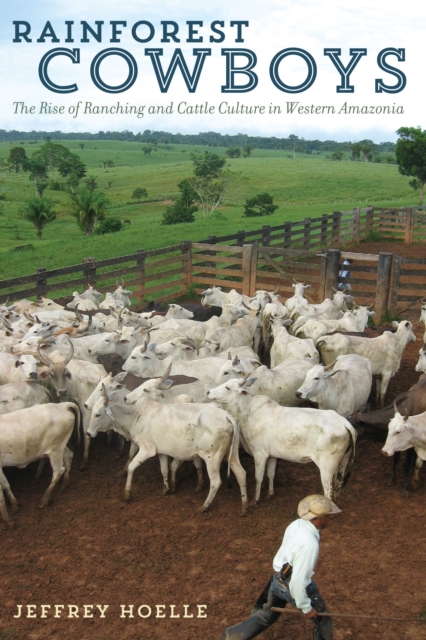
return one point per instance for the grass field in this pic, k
(306, 187)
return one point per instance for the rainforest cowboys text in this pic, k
(239, 62)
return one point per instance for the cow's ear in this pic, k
(113, 397)
(244, 392)
(43, 374)
(332, 373)
(17, 363)
(68, 373)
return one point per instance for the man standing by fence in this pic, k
(294, 566)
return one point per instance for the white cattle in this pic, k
(145, 364)
(384, 352)
(122, 342)
(174, 311)
(31, 434)
(279, 384)
(122, 296)
(298, 299)
(91, 294)
(13, 369)
(350, 321)
(81, 303)
(272, 310)
(21, 395)
(423, 318)
(269, 431)
(343, 387)
(75, 380)
(215, 297)
(239, 334)
(183, 431)
(421, 365)
(405, 432)
(331, 308)
(286, 347)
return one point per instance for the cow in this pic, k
(421, 365)
(286, 347)
(14, 369)
(269, 431)
(182, 431)
(200, 313)
(21, 395)
(343, 386)
(384, 352)
(31, 434)
(279, 384)
(405, 432)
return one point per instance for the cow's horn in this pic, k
(276, 290)
(229, 355)
(71, 353)
(245, 378)
(122, 282)
(406, 415)
(44, 358)
(395, 408)
(105, 395)
(167, 373)
(235, 361)
(329, 366)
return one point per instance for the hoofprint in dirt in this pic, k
(90, 548)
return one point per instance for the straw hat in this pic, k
(316, 506)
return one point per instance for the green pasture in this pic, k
(307, 186)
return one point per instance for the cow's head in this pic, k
(57, 373)
(400, 435)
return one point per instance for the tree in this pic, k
(208, 165)
(17, 158)
(184, 208)
(337, 154)
(56, 156)
(247, 150)
(39, 212)
(91, 183)
(38, 173)
(410, 155)
(139, 193)
(356, 150)
(233, 152)
(260, 205)
(210, 181)
(147, 149)
(109, 225)
(81, 145)
(88, 206)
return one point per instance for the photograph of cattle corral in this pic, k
(91, 547)
(154, 364)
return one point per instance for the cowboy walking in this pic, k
(294, 566)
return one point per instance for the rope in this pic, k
(350, 615)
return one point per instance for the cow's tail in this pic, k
(345, 465)
(235, 443)
(75, 409)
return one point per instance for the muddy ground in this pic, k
(90, 548)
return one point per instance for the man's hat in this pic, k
(316, 506)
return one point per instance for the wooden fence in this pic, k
(306, 250)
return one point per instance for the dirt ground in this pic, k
(91, 548)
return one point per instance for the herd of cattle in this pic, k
(188, 383)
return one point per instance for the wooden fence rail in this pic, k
(305, 250)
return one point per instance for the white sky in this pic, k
(274, 25)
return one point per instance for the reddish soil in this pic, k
(89, 547)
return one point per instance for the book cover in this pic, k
(90, 565)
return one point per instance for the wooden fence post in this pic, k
(397, 264)
(241, 236)
(369, 218)
(323, 277)
(356, 225)
(409, 226)
(187, 263)
(140, 263)
(246, 268)
(89, 271)
(253, 269)
(307, 234)
(266, 235)
(324, 229)
(41, 283)
(337, 223)
(287, 235)
(332, 272)
(383, 284)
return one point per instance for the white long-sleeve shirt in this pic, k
(300, 548)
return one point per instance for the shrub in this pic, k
(184, 208)
(261, 205)
(109, 225)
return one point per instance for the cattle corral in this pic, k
(90, 547)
